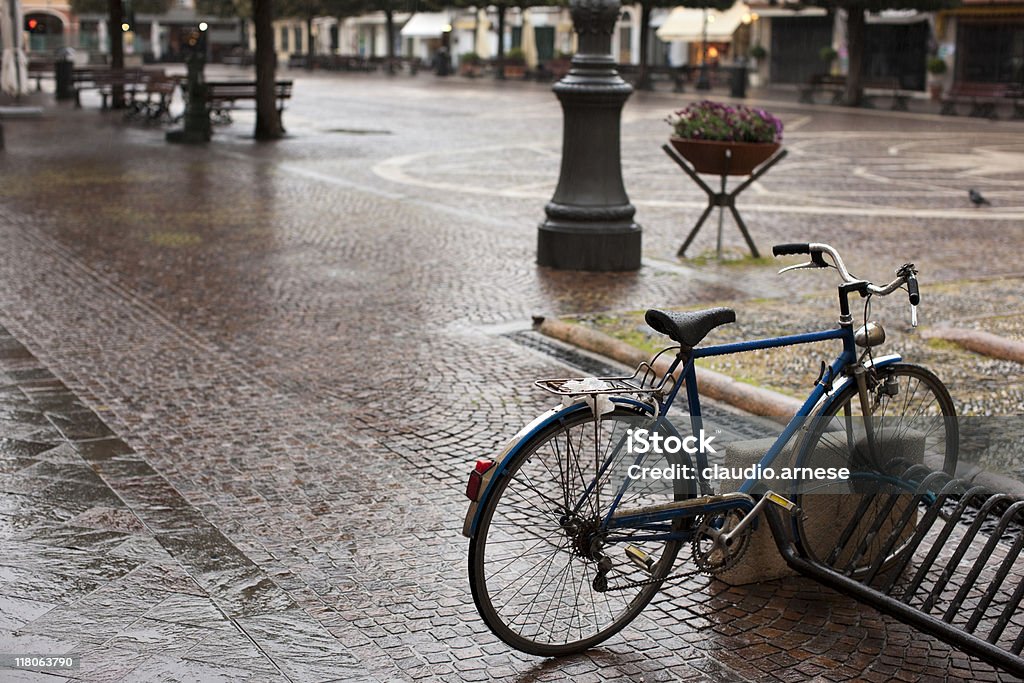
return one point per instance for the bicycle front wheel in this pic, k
(545, 576)
(862, 525)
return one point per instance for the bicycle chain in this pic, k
(698, 571)
(647, 582)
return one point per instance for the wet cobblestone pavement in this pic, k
(241, 384)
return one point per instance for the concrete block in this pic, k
(827, 514)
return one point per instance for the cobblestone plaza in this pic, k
(242, 384)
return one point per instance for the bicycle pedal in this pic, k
(640, 558)
(781, 501)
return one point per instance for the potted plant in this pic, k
(725, 139)
(758, 54)
(937, 68)
(515, 63)
(828, 54)
(560, 65)
(469, 64)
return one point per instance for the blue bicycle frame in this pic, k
(688, 376)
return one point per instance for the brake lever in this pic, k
(798, 266)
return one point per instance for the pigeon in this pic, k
(976, 198)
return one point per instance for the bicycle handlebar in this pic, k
(792, 248)
(906, 275)
(912, 289)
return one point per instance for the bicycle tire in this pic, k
(544, 602)
(914, 422)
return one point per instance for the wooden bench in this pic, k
(85, 79)
(131, 81)
(873, 87)
(678, 75)
(826, 83)
(40, 69)
(105, 80)
(223, 96)
(983, 98)
(343, 63)
(1016, 94)
(886, 87)
(159, 91)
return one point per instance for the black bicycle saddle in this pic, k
(688, 328)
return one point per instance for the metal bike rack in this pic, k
(970, 596)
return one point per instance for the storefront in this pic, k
(987, 44)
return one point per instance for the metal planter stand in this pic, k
(722, 199)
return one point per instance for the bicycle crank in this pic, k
(715, 547)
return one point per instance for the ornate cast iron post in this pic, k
(589, 222)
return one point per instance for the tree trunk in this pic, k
(643, 80)
(389, 19)
(855, 26)
(310, 51)
(116, 50)
(268, 120)
(500, 75)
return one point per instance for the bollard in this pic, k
(64, 74)
(739, 81)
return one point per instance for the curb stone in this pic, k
(985, 343)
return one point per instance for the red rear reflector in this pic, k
(476, 477)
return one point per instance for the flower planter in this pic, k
(709, 156)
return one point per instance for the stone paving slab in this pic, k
(293, 354)
(88, 570)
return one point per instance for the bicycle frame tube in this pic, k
(689, 376)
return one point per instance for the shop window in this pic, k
(990, 52)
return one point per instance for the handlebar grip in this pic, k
(794, 248)
(912, 290)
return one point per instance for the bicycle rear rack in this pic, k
(969, 596)
(644, 380)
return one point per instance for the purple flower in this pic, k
(707, 120)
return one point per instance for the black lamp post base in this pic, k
(567, 246)
(186, 136)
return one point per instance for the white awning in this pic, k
(769, 12)
(658, 17)
(426, 25)
(687, 25)
(896, 16)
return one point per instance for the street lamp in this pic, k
(589, 223)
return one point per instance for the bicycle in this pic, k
(568, 545)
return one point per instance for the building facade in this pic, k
(982, 41)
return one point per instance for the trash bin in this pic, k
(739, 81)
(64, 74)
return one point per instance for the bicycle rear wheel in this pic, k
(863, 525)
(545, 577)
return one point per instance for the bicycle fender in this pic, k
(516, 444)
(879, 362)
